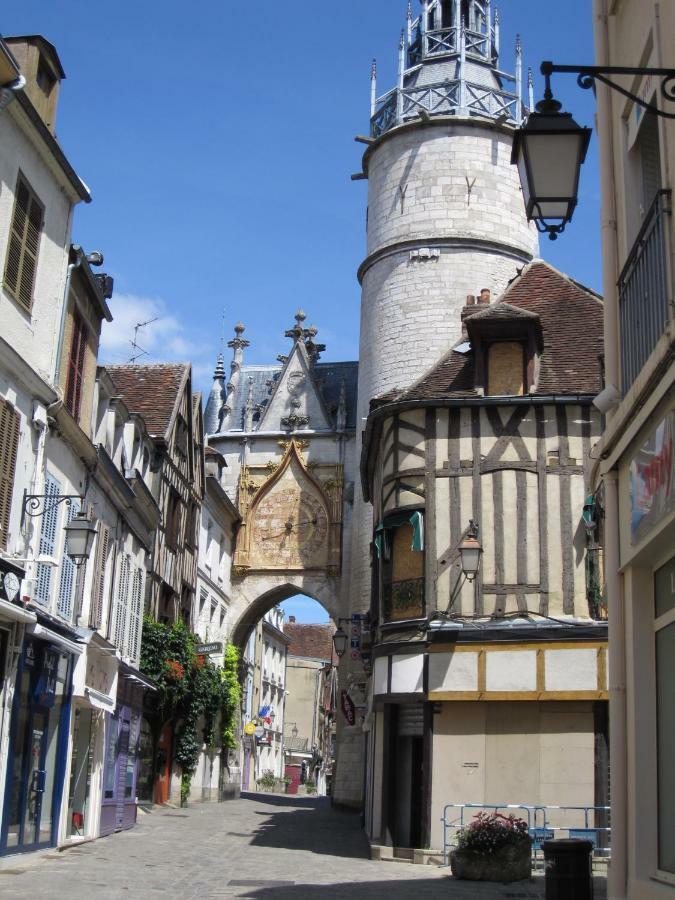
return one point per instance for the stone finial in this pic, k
(297, 332)
(220, 367)
(238, 342)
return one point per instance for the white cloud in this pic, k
(163, 339)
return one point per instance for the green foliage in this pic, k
(490, 832)
(267, 780)
(191, 687)
(310, 786)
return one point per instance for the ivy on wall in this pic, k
(190, 691)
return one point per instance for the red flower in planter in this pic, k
(174, 670)
(199, 662)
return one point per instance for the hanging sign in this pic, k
(652, 480)
(249, 728)
(209, 649)
(259, 731)
(348, 710)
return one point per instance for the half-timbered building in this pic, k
(489, 689)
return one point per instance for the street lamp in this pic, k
(550, 148)
(294, 731)
(470, 551)
(340, 640)
(549, 151)
(80, 533)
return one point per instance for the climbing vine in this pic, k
(191, 690)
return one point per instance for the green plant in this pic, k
(287, 780)
(491, 832)
(267, 780)
(310, 786)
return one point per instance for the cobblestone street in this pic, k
(262, 846)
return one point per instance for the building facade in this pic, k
(635, 476)
(489, 688)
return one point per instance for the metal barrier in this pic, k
(543, 823)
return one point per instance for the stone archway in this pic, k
(257, 594)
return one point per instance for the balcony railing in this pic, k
(643, 291)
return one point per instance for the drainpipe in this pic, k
(64, 312)
(618, 868)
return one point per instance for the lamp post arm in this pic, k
(35, 505)
(588, 75)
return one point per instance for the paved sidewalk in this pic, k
(259, 847)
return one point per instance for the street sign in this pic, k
(348, 710)
(209, 649)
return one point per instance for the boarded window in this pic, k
(76, 360)
(9, 443)
(403, 575)
(24, 240)
(506, 369)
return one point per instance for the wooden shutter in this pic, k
(121, 597)
(9, 443)
(75, 378)
(50, 520)
(135, 618)
(69, 573)
(24, 241)
(100, 565)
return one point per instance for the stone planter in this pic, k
(511, 863)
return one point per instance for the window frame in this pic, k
(385, 565)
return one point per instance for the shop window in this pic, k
(506, 369)
(399, 543)
(664, 596)
(79, 800)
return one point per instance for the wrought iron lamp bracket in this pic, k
(588, 75)
(35, 505)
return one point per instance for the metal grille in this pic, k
(643, 291)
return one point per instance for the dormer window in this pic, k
(45, 78)
(506, 368)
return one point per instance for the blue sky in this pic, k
(217, 140)
(218, 143)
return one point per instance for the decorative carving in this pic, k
(294, 421)
(239, 571)
(299, 443)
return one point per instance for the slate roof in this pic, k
(328, 377)
(310, 641)
(571, 318)
(151, 391)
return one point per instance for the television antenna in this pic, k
(139, 352)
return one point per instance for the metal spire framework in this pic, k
(449, 66)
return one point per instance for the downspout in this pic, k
(62, 329)
(618, 868)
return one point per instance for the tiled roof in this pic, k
(310, 641)
(151, 391)
(571, 318)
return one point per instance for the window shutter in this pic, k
(78, 347)
(50, 519)
(69, 573)
(9, 443)
(135, 617)
(118, 624)
(24, 240)
(98, 592)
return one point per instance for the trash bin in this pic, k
(569, 869)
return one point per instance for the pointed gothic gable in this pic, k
(296, 402)
(289, 525)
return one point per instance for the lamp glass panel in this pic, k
(470, 559)
(554, 161)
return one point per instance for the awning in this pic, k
(415, 518)
(16, 613)
(46, 634)
(99, 700)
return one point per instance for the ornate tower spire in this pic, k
(449, 66)
(215, 405)
(238, 344)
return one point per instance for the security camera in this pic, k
(607, 399)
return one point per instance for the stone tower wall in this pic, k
(445, 219)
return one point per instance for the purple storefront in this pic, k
(122, 745)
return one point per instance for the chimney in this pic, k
(41, 67)
(484, 296)
(291, 618)
(470, 299)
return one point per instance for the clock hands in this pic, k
(289, 528)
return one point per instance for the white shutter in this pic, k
(67, 584)
(50, 520)
(118, 623)
(98, 589)
(135, 618)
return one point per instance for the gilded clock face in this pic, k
(290, 528)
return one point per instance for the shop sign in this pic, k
(348, 709)
(652, 480)
(249, 728)
(209, 649)
(259, 731)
